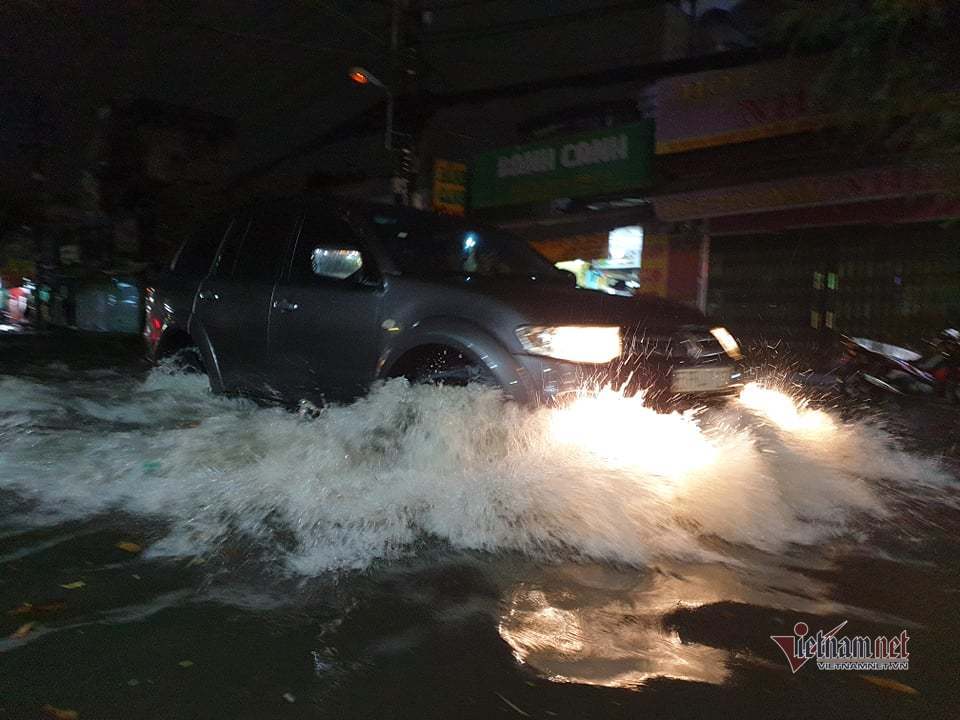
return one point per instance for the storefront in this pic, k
(581, 201)
(607, 260)
(804, 237)
(896, 283)
(863, 251)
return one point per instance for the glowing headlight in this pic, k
(727, 342)
(576, 343)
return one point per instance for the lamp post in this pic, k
(362, 76)
(402, 159)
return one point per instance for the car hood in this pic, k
(549, 302)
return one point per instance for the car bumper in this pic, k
(540, 380)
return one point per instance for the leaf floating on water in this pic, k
(54, 606)
(56, 713)
(22, 631)
(185, 663)
(888, 684)
(75, 585)
(21, 609)
(130, 547)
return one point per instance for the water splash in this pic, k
(605, 477)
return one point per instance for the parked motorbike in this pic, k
(869, 368)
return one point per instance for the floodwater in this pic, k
(432, 552)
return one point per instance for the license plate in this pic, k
(690, 380)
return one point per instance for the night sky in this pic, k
(276, 69)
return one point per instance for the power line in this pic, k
(367, 121)
(176, 21)
(268, 38)
(332, 7)
(534, 23)
(451, 6)
(466, 3)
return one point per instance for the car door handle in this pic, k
(209, 295)
(285, 305)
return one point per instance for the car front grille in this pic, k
(686, 346)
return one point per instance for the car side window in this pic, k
(327, 249)
(265, 244)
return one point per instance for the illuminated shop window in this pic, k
(625, 247)
(619, 272)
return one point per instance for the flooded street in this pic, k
(432, 552)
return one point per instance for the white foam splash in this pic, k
(605, 478)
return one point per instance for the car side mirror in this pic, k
(336, 262)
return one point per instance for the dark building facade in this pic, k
(812, 227)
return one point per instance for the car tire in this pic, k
(188, 360)
(451, 367)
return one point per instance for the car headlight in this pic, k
(727, 342)
(576, 343)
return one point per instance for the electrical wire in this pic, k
(535, 23)
(332, 8)
(270, 39)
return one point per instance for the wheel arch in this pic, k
(177, 337)
(464, 337)
(173, 339)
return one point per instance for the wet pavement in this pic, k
(428, 552)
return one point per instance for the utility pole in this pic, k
(392, 86)
(400, 88)
(401, 152)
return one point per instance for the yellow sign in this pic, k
(449, 187)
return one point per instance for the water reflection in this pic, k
(601, 625)
(603, 634)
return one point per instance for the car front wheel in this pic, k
(448, 366)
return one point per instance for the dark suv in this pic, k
(314, 298)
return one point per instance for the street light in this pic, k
(362, 76)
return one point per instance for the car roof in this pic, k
(369, 208)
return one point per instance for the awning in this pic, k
(586, 246)
(885, 212)
(813, 191)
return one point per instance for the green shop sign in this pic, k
(594, 163)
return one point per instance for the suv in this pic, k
(309, 298)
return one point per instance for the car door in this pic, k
(324, 322)
(234, 301)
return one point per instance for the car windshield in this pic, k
(419, 246)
